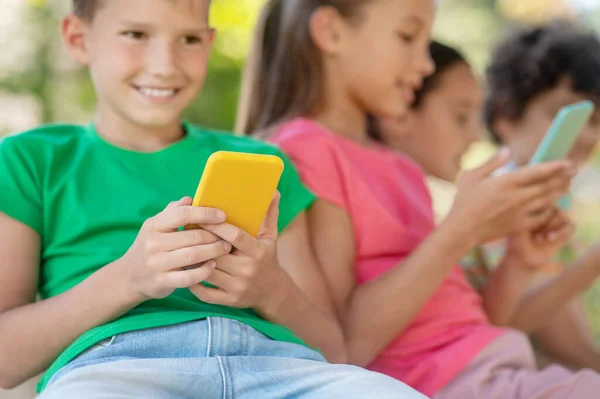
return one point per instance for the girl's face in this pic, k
(440, 131)
(382, 58)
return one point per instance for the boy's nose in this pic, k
(161, 60)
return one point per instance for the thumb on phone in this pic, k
(269, 229)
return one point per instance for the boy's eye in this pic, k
(192, 40)
(135, 35)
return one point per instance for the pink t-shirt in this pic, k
(391, 210)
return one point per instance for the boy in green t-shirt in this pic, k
(82, 222)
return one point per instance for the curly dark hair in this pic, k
(530, 61)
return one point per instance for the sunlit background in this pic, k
(39, 84)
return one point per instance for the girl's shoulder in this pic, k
(302, 130)
(306, 141)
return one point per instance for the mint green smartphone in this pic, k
(562, 135)
(564, 131)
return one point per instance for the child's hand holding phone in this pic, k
(488, 207)
(535, 249)
(250, 275)
(163, 259)
(245, 186)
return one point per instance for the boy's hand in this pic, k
(489, 207)
(535, 249)
(163, 259)
(250, 276)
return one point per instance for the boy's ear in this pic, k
(326, 26)
(212, 36)
(73, 30)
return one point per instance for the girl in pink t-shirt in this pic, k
(318, 70)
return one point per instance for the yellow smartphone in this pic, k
(240, 184)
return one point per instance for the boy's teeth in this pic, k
(156, 92)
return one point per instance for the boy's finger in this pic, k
(182, 239)
(192, 255)
(224, 280)
(184, 215)
(190, 277)
(181, 202)
(235, 236)
(214, 296)
(269, 229)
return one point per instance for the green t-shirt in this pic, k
(87, 199)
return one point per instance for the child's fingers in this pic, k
(544, 174)
(192, 255)
(554, 187)
(269, 229)
(563, 233)
(237, 237)
(182, 215)
(225, 281)
(185, 201)
(230, 264)
(214, 296)
(190, 277)
(538, 205)
(182, 239)
(558, 221)
(558, 229)
(537, 220)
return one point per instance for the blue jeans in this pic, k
(213, 358)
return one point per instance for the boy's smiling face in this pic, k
(147, 58)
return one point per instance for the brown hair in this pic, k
(283, 77)
(443, 57)
(87, 9)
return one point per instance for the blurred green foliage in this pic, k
(63, 94)
(67, 93)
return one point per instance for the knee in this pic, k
(373, 384)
